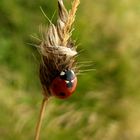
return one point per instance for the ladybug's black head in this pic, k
(68, 76)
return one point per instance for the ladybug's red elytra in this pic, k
(64, 85)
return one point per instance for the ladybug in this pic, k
(64, 85)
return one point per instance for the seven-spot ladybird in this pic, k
(64, 85)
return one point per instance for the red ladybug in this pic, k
(64, 85)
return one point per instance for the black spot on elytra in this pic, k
(62, 94)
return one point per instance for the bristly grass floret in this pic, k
(58, 50)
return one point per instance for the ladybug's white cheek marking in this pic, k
(72, 81)
(67, 82)
(62, 73)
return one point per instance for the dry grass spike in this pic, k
(58, 55)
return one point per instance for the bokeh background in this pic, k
(106, 103)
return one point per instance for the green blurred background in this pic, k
(106, 103)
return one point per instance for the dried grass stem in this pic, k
(41, 115)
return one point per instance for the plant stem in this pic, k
(41, 115)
